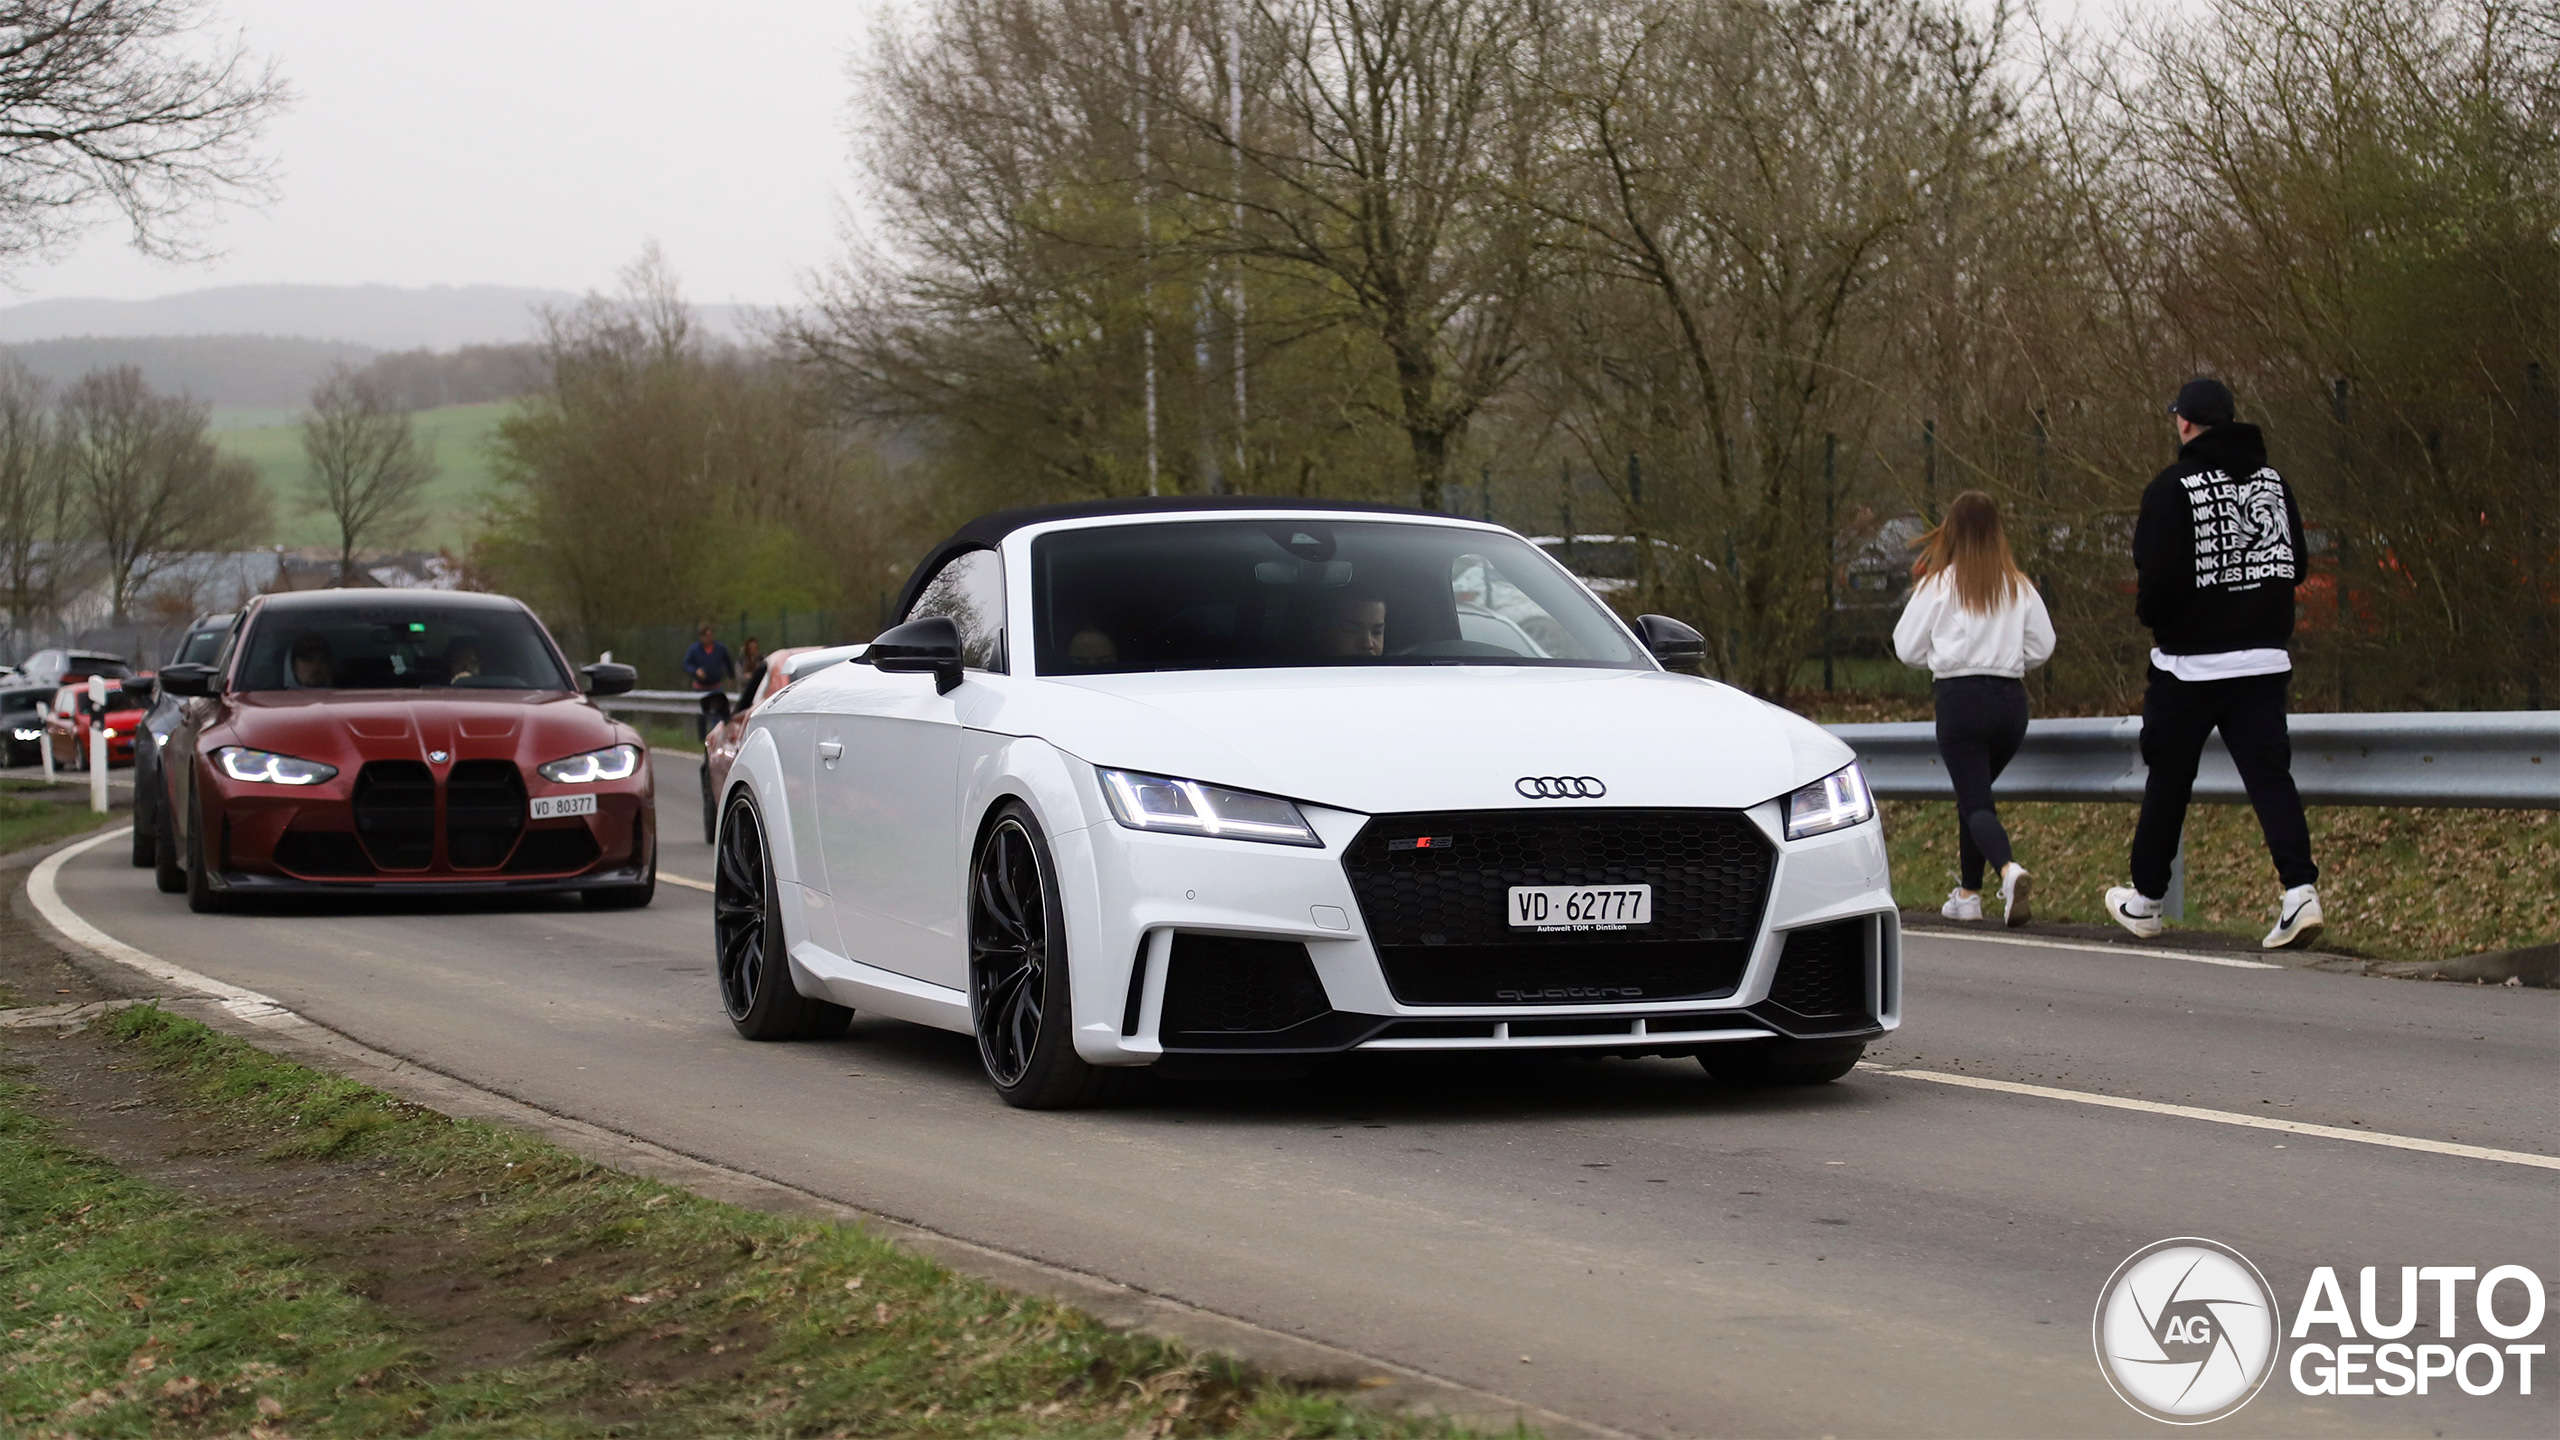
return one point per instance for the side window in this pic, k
(971, 591)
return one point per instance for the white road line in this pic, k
(247, 1004)
(2228, 1117)
(686, 881)
(1933, 933)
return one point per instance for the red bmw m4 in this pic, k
(393, 742)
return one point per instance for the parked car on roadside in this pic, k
(720, 747)
(200, 645)
(400, 742)
(60, 667)
(1229, 785)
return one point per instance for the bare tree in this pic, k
(111, 104)
(149, 482)
(37, 522)
(367, 462)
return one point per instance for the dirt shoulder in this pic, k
(200, 1238)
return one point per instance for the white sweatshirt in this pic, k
(1940, 636)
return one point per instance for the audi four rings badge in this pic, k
(1560, 787)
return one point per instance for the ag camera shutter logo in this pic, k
(2186, 1330)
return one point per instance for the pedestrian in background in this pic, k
(2219, 549)
(1977, 625)
(707, 668)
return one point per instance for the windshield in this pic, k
(202, 647)
(1225, 594)
(405, 648)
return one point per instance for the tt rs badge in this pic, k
(1559, 787)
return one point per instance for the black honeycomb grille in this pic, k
(1219, 985)
(484, 811)
(1822, 974)
(1437, 913)
(395, 810)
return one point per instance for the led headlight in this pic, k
(265, 767)
(1834, 802)
(1187, 807)
(613, 762)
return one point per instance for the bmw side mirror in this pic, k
(608, 678)
(191, 680)
(927, 646)
(1676, 645)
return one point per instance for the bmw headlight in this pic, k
(1187, 807)
(265, 767)
(1834, 802)
(613, 762)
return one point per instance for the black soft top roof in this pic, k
(988, 531)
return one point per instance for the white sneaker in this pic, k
(2015, 882)
(2297, 920)
(1961, 906)
(2135, 911)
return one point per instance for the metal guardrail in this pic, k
(2496, 759)
(655, 702)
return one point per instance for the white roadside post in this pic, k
(44, 743)
(98, 743)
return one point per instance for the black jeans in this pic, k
(1981, 720)
(715, 712)
(2177, 716)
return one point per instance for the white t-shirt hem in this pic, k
(2229, 665)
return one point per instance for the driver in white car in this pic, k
(1358, 626)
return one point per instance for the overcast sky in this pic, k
(541, 143)
(531, 142)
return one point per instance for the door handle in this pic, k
(830, 751)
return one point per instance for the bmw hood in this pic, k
(1439, 737)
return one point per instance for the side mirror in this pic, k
(141, 688)
(607, 678)
(1676, 645)
(195, 680)
(927, 646)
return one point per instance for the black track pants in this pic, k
(2177, 716)
(1981, 720)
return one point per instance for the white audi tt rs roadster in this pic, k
(1218, 786)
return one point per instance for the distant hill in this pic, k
(230, 371)
(382, 317)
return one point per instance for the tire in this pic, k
(627, 897)
(202, 898)
(1021, 997)
(145, 848)
(746, 931)
(167, 873)
(1802, 1063)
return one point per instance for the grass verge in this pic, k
(33, 813)
(488, 1284)
(2395, 884)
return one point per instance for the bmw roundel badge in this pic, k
(439, 756)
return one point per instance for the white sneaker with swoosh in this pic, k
(2135, 911)
(2298, 921)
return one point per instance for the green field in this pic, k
(453, 501)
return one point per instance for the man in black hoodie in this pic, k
(2219, 548)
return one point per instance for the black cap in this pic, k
(2203, 401)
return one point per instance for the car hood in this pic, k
(1430, 738)
(347, 728)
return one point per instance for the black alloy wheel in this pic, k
(746, 935)
(1020, 1002)
(202, 898)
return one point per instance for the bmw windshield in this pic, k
(398, 647)
(1254, 594)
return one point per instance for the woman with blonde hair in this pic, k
(1977, 625)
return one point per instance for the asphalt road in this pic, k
(1624, 1241)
